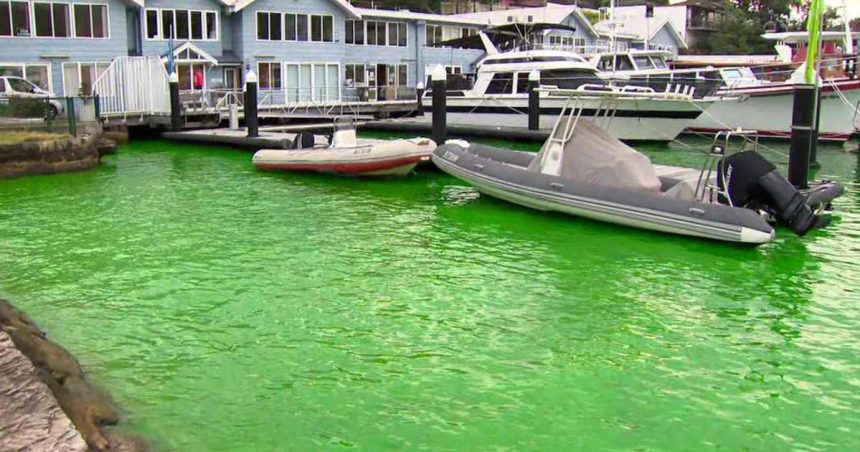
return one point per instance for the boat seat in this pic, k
(304, 140)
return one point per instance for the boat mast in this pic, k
(612, 39)
(849, 39)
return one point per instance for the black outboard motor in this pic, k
(755, 183)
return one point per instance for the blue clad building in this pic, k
(300, 49)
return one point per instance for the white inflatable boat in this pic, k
(347, 155)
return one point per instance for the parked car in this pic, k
(17, 87)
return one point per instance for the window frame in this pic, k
(69, 25)
(31, 26)
(90, 6)
(78, 65)
(270, 73)
(24, 66)
(321, 18)
(205, 15)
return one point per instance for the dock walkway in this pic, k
(30, 416)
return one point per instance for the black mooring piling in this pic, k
(251, 120)
(175, 103)
(440, 118)
(802, 128)
(534, 100)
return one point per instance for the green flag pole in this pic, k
(813, 26)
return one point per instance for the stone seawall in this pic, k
(51, 367)
(46, 157)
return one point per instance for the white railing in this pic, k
(133, 86)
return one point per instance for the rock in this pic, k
(90, 409)
(51, 156)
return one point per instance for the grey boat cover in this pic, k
(595, 157)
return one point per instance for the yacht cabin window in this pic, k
(643, 62)
(659, 62)
(622, 63)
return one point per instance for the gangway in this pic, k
(133, 88)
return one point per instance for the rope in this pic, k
(747, 139)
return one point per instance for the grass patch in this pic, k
(24, 136)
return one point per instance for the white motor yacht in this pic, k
(498, 93)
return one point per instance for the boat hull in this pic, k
(633, 119)
(768, 110)
(510, 182)
(376, 158)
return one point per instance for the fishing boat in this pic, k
(498, 92)
(581, 170)
(346, 154)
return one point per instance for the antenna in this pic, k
(849, 39)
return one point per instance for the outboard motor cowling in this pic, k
(752, 181)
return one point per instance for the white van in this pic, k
(19, 87)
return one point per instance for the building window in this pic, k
(37, 74)
(439, 33)
(15, 19)
(301, 27)
(91, 21)
(322, 28)
(290, 27)
(181, 21)
(354, 32)
(168, 29)
(78, 78)
(355, 75)
(311, 81)
(152, 24)
(269, 76)
(182, 24)
(269, 27)
(397, 34)
(52, 20)
(373, 35)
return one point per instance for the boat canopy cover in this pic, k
(597, 158)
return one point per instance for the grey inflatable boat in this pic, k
(583, 171)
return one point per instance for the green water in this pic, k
(226, 309)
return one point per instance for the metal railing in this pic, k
(321, 100)
(133, 86)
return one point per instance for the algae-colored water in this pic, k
(227, 309)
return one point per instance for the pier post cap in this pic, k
(173, 77)
(439, 74)
(419, 86)
(534, 76)
(250, 77)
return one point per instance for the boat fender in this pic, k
(462, 143)
(753, 181)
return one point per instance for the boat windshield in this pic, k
(643, 62)
(733, 74)
(622, 63)
(659, 62)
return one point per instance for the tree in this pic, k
(746, 20)
(737, 34)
